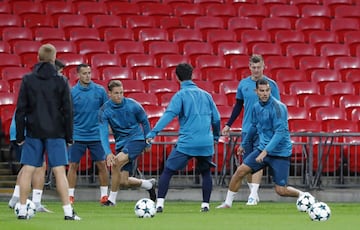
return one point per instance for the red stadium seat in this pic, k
(297, 113)
(4, 86)
(239, 24)
(5, 8)
(205, 85)
(317, 11)
(302, 89)
(312, 102)
(162, 86)
(276, 63)
(133, 86)
(220, 99)
(148, 74)
(333, 51)
(229, 88)
(11, 74)
(165, 98)
(251, 37)
(37, 21)
(144, 98)
(322, 76)
(100, 61)
(45, 34)
(347, 11)
(311, 63)
(64, 46)
(92, 47)
(90, 8)
(12, 34)
(318, 38)
(289, 100)
(5, 47)
(71, 59)
(26, 7)
(342, 25)
(258, 12)
(116, 72)
(299, 50)
(344, 63)
(338, 89)
(216, 36)
(72, 21)
(10, 20)
(229, 49)
(307, 25)
(289, 12)
(22, 47)
(193, 49)
(225, 11)
(302, 3)
(208, 61)
(348, 103)
(57, 8)
(147, 35)
(267, 49)
(187, 12)
(103, 22)
(112, 35)
(270, 3)
(287, 76)
(286, 37)
(123, 9)
(83, 34)
(275, 24)
(8, 60)
(326, 113)
(170, 61)
(136, 60)
(137, 22)
(351, 75)
(159, 48)
(218, 75)
(207, 23)
(180, 36)
(333, 4)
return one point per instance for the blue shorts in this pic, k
(33, 152)
(16, 150)
(252, 146)
(133, 149)
(177, 161)
(78, 149)
(279, 165)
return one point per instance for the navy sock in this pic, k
(206, 185)
(164, 182)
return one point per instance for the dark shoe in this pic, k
(22, 218)
(204, 209)
(108, 203)
(159, 209)
(152, 193)
(73, 217)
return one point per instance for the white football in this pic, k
(304, 202)
(30, 209)
(319, 211)
(145, 208)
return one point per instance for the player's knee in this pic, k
(280, 190)
(124, 184)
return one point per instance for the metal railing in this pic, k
(319, 160)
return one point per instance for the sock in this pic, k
(204, 204)
(254, 190)
(16, 191)
(68, 211)
(164, 182)
(36, 196)
(250, 186)
(103, 190)
(206, 185)
(146, 184)
(230, 197)
(160, 202)
(112, 196)
(71, 191)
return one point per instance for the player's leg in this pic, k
(76, 151)
(32, 159)
(115, 183)
(98, 155)
(14, 147)
(253, 180)
(175, 161)
(241, 172)
(38, 181)
(280, 168)
(203, 166)
(58, 158)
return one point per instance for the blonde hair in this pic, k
(114, 83)
(47, 53)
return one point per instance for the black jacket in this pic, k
(45, 101)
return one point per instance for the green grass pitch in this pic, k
(185, 216)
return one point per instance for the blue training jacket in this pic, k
(128, 121)
(199, 120)
(87, 102)
(246, 92)
(270, 120)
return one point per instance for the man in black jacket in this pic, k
(45, 101)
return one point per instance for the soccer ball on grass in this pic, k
(319, 211)
(145, 208)
(304, 202)
(30, 209)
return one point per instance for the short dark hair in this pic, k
(256, 58)
(184, 71)
(59, 64)
(114, 83)
(261, 81)
(82, 65)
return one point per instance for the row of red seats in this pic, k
(181, 8)
(20, 40)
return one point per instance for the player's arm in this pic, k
(234, 114)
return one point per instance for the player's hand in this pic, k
(226, 131)
(260, 158)
(110, 160)
(240, 150)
